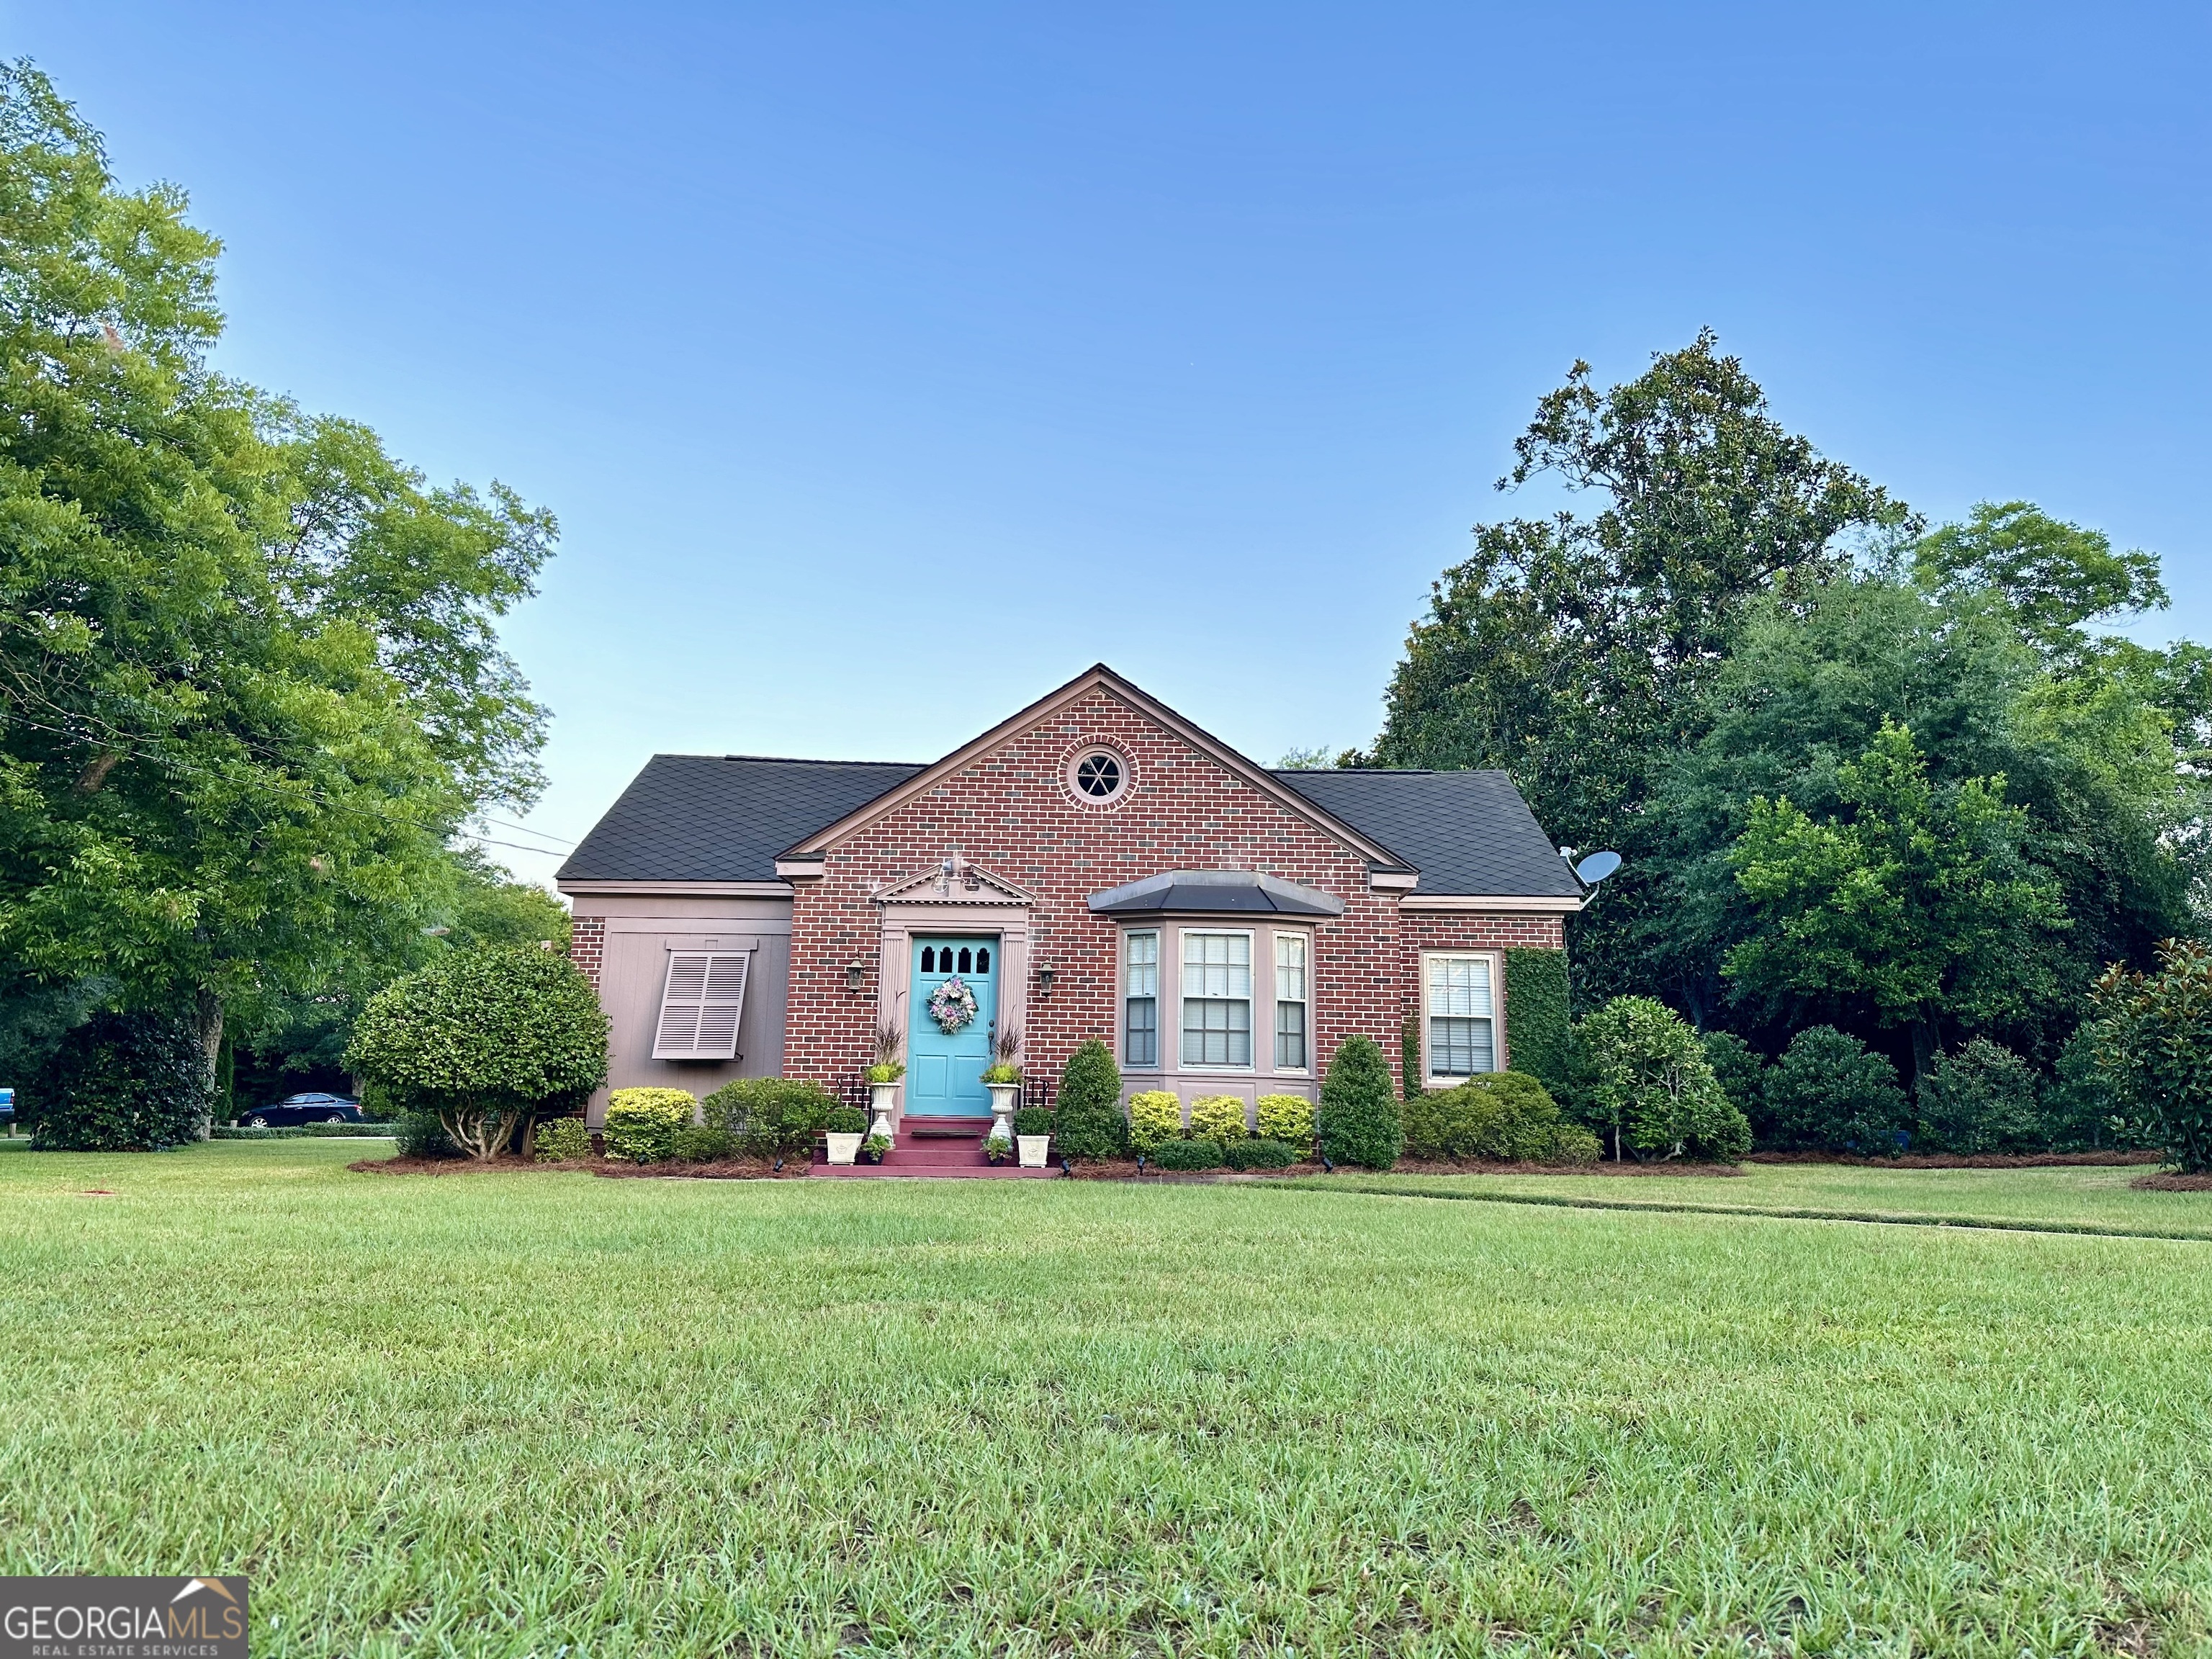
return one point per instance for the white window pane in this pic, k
(1144, 965)
(1460, 1048)
(1291, 967)
(1459, 987)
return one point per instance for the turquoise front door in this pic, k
(944, 1069)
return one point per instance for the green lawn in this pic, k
(2092, 1198)
(544, 1413)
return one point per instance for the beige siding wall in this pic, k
(642, 929)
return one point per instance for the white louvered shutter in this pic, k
(700, 1005)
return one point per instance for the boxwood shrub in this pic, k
(641, 1123)
(770, 1116)
(1155, 1116)
(1033, 1121)
(1091, 1122)
(1505, 1116)
(846, 1121)
(1217, 1117)
(1288, 1118)
(695, 1143)
(563, 1141)
(1358, 1121)
(1261, 1154)
(1187, 1155)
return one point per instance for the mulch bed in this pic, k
(733, 1169)
(2172, 1183)
(1125, 1168)
(1951, 1161)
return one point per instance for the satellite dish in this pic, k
(1596, 867)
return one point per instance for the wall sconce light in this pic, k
(1044, 981)
(855, 974)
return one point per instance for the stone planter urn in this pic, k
(1002, 1108)
(843, 1149)
(882, 1101)
(1032, 1149)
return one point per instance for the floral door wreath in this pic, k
(952, 1006)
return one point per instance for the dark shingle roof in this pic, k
(1466, 832)
(726, 817)
(722, 817)
(1216, 890)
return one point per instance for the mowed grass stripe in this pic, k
(1384, 1188)
(501, 1414)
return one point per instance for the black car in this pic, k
(303, 1109)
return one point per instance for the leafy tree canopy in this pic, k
(249, 685)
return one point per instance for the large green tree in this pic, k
(1913, 896)
(1573, 651)
(249, 685)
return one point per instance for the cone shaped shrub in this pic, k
(1091, 1124)
(1358, 1118)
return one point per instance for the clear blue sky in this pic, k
(886, 366)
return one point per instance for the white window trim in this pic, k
(712, 962)
(1159, 936)
(1251, 1002)
(1279, 1069)
(1429, 1079)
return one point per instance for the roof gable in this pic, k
(1099, 677)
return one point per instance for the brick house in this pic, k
(1094, 867)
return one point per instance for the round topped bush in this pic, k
(122, 1083)
(486, 1039)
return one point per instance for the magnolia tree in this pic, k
(2154, 1043)
(489, 1041)
(1652, 1086)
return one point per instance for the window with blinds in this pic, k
(701, 1004)
(1140, 1001)
(1291, 1001)
(1216, 999)
(1461, 1034)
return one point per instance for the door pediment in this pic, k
(953, 880)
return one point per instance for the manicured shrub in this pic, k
(1538, 1031)
(1287, 1118)
(695, 1143)
(2079, 1104)
(563, 1141)
(1506, 1117)
(641, 1123)
(1829, 1092)
(1358, 1122)
(1187, 1155)
(1217, 1117)
(2155, 1045)
(1033, 1121)
(1740, 1071)
(770, 1117)
(1091, 1121)
(422, 1135)
(1652, 1083)
(1981, 1098)
(1575, 1144)
(844, 1121)
(1261, 1154)
(1409, 1056)
(488, 1039)
(1155, 1116)
(122, 1083)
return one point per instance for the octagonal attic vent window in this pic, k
(1098, 776)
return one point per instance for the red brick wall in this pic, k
(1468, 930)
(1010, 811)
(587, 942)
